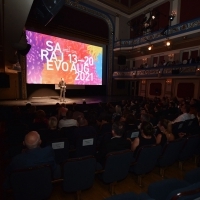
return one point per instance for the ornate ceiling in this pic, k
(127, 6)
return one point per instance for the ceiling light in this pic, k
(171, 17)
(153, 17)
(168, 43)
(150, 47)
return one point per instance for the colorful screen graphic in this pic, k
(51, 58)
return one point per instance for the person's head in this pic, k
(32, 140)
(130, 119)
(40, 115)
(185, 108)
(145, 117)
(53, 122)
(69, 114)
(62, 79)
(82, 121)
(157, 108)
(147, 128)
(165, 125)
(118, 129)
(118, 109)
(193, 102)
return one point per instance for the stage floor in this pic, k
(52, 100)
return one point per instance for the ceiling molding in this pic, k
(133, 11)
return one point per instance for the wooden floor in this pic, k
(100, 191)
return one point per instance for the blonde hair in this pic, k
(166, 124)
(53, 122)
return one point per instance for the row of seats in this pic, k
(79, 173)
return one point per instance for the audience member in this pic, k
(118, 112)
(34, 155)
(146, 137)
(67, 120)
(185, 109)
(117, 142)
(83, 129)
(165, 128)
(40, 121)
(62, 110)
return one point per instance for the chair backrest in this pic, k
(191, 126)
(189, 148)
(68, 132)
(86, 145)
(146, 159)
(47, 135)
(32, 183)
(186, 193)
(177, 128)
(170, 153)
(116, 166)
(78, 173)
(61, 149)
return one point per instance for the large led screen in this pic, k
(51, 58)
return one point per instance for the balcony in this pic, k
(176, 71)
(189, 27)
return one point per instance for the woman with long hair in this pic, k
(146, 136)
(165, 135)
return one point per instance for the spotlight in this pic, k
(153, 17)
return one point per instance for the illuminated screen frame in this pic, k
(52, 58)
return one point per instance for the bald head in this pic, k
(32, 140)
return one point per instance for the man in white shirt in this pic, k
(67, 120)
(185, 109)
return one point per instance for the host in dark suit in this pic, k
(117, 142)
(34, 156)
(62, 86)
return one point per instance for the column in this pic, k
(131, 64)
(2, 63)
(175, 6)
(117, 27)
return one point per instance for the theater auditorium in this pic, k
(99, 99)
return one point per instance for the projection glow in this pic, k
(51, 58)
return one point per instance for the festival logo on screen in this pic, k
(52, 58)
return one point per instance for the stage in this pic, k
(52, 100)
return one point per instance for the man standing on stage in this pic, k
(62, 86)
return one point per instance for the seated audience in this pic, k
(130, 124)
(34, 155)
(117, 142)
(83, 129)
(144, 118)
(40, 121)
(67, 120)
(185, 109)
(146, 136)
(165, 135)
(51, 132)
(76, 112)
(62, 110)
(118, 112)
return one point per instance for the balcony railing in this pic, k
(164, 71)
(172, 31)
